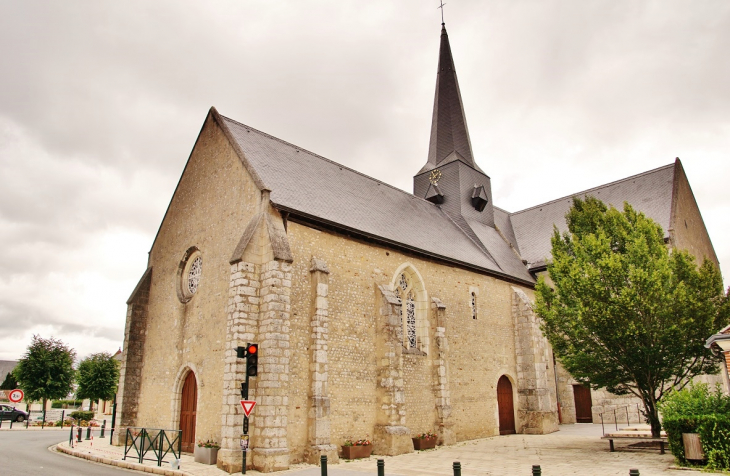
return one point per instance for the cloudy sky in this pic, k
(101, 102)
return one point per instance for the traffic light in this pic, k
(252, 360)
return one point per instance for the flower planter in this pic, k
(355, 452)
(206, 455)
(424, 443)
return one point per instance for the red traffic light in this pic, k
(252, 349)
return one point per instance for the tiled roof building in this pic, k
(379, 314)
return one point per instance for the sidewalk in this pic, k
(574, 450)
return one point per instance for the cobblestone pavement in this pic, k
(574, 450)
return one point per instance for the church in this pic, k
(379, 314)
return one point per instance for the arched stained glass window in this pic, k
(411, 321)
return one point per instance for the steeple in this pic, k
(451, 178)
(449, 133)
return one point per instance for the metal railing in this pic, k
(456, 468)
(139, 442)
(615, 416)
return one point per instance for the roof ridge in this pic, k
(594, 188)
(474, 239)
(326, 159)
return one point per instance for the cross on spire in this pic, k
(442, 10)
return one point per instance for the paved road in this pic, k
(25, 453)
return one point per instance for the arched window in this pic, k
(411, 295)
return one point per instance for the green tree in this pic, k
(46, 370)
(9, 383)
(97, 377)
(625, 311)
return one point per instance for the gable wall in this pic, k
(212, 204)
(688, 230)
(479, 351)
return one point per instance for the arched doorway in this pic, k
(188, 409)
(506, 406)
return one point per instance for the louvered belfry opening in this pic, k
(188, 410)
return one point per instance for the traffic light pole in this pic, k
(244, 395)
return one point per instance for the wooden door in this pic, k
(583, 404)
(187, 412)
(506, 406)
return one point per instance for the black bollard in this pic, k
(457, 468)
(323, 464)
(381, 467)
(103, 426)
(633, 472)
(78, 434)
(63, 414)
(536, 470)
(71, 437)
(88, 432)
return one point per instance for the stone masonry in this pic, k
(242, 327)
(536, 402)
(441, 377)
(392, 437)
(318, 421)
(135, 333)
(271, 452)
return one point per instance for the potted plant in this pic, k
(357, 449)
(424, 441)
(206, 452)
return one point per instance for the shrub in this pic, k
(66, 403)
(698, 410)
(79, 415)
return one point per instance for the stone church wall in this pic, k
(688, 230)
(479, 350)
(214, 197)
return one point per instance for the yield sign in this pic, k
(247, 406)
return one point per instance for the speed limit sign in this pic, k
(16, 395)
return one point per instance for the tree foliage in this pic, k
(625, 311)
(9, 383)
(46, 370)
(97, 377)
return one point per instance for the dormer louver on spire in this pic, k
(451, 178)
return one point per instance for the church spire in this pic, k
(449, 134)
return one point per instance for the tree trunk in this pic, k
(652, 416)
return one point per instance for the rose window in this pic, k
(194, 274)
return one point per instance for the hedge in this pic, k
(714, 431)
(82, 415)
(697, 409)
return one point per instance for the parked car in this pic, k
(13, 414)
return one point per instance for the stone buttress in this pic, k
(130, 375)
(392, 437)
(258, 312)
(536, 399)
(441, 376)
(318, 419)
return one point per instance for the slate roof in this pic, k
(449, 133)
(649, 192)
(6, 366)
(324, 191)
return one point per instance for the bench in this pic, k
(610, 438)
